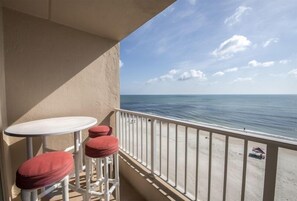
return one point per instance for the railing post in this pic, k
(152, 146)
(270, 172)
(116, 124)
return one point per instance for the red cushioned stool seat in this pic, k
(98, 131)
(101, 146)
(43, 170)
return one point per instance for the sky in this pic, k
(214, 47)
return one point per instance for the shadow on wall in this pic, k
(107, 119)
(40, 56)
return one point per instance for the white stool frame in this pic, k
(106, 180)
(30, 194)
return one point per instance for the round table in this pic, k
(54, 126)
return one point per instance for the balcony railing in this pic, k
(204, 162)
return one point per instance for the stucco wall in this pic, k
(5, 167)
(52, 71)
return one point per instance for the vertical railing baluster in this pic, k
(117, 126)
(167, 151)
(197, 165)
(176, 140)
(122, 131)
(209, 166)
(126, 135)
(160, 147)
(130, 137)
(133, 137)
(146, 157)
(225, 167)
(137, 142)
(186, 160)
(141, 147)
(152, 146)
(128, 132)
(270, 172)
(244, 170)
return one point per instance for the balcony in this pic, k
(198, 162)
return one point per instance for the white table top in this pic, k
(51, 126)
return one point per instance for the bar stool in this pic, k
(44, 170)
(102, 148)
(99, 131)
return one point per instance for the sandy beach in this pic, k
(286, 184)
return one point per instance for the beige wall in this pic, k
(5, 167)
(52, 70)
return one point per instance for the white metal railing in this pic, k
(183, 153)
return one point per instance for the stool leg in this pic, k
(65, 188)
(34, 196)
(117, 176)
(106, 183)
(26, 195)
(88, 179)
(99, 168)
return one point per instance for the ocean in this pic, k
(263, 114)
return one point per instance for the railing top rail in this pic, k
(280, 142)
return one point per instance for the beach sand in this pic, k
(286, 185)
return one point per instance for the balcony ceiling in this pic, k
(113, 19)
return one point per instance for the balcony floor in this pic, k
(128, 193)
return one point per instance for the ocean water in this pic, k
(264, 114)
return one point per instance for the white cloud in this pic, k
(152, 80)
(284, 61)
(197, 74)
(293, 73)
(229, 47)
(162, 78)
(173, 72)
(218, 74)
(269, 41)
(229, 70)
(192, 2)
(243, 79)
(255, 63)
(236, 17)
(179, 75)
(121, 64)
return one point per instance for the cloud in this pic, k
(218, 74)
(236, 17)
(192, 74)
(192, 2)
(284, 61)
(293, 73)
(162, 78)
(243, 79)
(121, 64)
(269, 41)
(229, 47)
(229, 70)
(255, 63)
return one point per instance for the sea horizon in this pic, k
(264, 114)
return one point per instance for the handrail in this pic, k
(280, 141)
(149, 152)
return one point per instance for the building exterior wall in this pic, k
(51, 71)
(5, 166)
